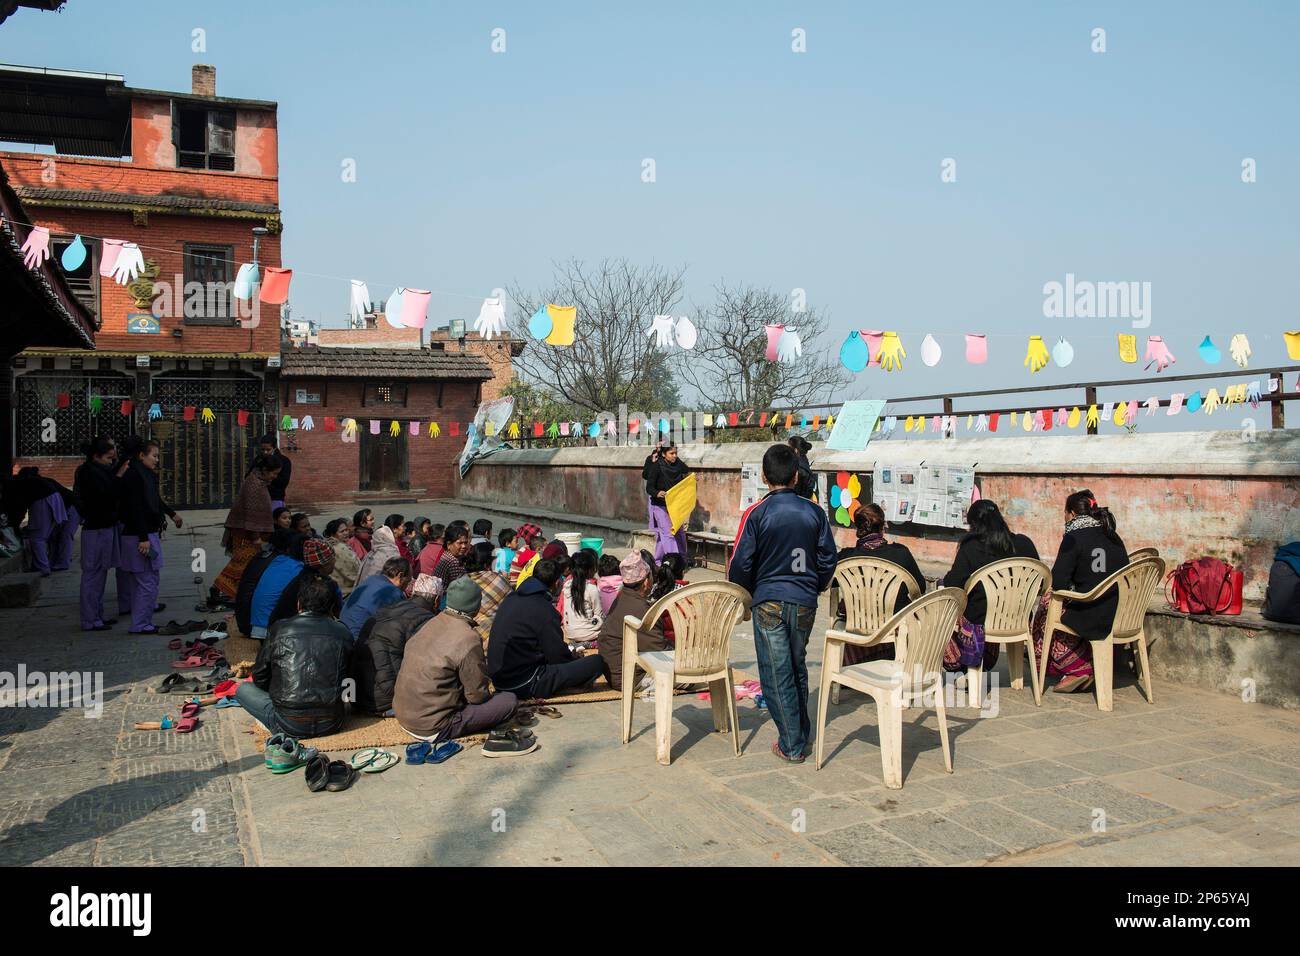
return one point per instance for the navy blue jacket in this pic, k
(784, 550)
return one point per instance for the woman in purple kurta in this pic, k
(96, 489)
(142, 511)
(662, 470)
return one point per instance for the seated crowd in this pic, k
(448, 628)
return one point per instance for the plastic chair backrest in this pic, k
(1012, 587)
(703, 616)
(922, 631)
(870, 587)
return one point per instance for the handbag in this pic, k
(1205, 586)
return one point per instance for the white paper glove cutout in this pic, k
(491, 317)
(306, 424)
(982, 423)
(36, 250)
(393, 309)
(662, 329)
(129, 265)
(686, 333)
(360, 302)
(930, 351)
(789, 348)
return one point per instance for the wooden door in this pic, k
(383, 460)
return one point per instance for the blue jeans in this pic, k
(258, 703)
(781, 632)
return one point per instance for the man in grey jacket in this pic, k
(442, 688)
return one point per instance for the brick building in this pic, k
(383, 385)
(192, 178)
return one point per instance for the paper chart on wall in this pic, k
(752, 487)
(933, 494)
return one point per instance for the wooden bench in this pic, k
(698, 544)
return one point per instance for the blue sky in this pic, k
(816, 170)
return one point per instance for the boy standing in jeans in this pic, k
(784, 557)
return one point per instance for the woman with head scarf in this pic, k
(383, 546)
(248, 526)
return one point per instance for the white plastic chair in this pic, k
(1137, 582)
(1012, 588)
(870, 588)
(703, 617)
(920, 632)
(1143, 553)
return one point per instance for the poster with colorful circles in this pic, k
(846, 496)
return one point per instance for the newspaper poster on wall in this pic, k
(933, 494)
(752, 486)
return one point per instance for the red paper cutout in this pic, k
(127, 406)
(329, 424)
(537, 429)
(63, 400)
(242, 417)
(455, 428)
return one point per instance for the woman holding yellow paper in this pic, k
(662, 472)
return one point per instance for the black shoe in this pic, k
(110, 622)
(508, 743)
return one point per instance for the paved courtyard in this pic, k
(1198, 778)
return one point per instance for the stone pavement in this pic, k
(1197, 778)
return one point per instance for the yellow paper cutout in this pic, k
(208, 417)
(1075, 415)
(830, 421)
(1027, 422)
(855, 487)
(1128, 349)
(434, 429)
(1121, 413)
(909, 424)
(1292, 344)
(1015, 419)
(562, 320)
(514, 429)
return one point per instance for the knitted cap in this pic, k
(316, 552)
(464, 596)
(632, 569)
(556, 549)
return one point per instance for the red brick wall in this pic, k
(496, 351)
(139, 179)
(382, 336)
(326, 469)
(163, 241)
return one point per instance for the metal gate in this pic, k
(203, 464)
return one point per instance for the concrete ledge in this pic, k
(20, 589)
(1223, 653)
(617, 534)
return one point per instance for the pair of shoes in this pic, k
(509, 743)
(1072, 685)
(285, 753)
(325, 774)
(374, 760)
(776, 749)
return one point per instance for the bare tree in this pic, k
(729, 364)
(612, 359)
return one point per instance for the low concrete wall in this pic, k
(1244, 656)
(1188, 494)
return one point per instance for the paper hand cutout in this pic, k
(930, 351)
(553, 430)
(394, 428)
(1062, 353)
(491, 317)
(977, 348)
(307, 424)
(96, 403)
(244, 281)
(349, 430)
(1158, 353)
(854, 354)
(1153, 403)
(662, 329)
(773, 338)
(129, 264)
(155, 412)
(375, 426)
(1092, 420)
(127, 406)
(686, 333)
(909, 424)
(982, 423)
(74, 256)
(1240, 349)
(513, 431)
(891, 423)
(36, 250)
(891, 352)
(789, 347)
(1128, 350)
(1210, 352)
(358, 301)
(1037, 422)
(1036, 357)
(330, 423)
(435, 430)
(1252, 394)
(206, 416)
(1062, 417)
(1211, 401)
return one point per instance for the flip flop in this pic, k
(190, 708)
(382, 762)
(546, 710)
(174, 644)
(226, 688)
(186, 725)
(187, 663)
(364, 758)
(225, 702)
(444, 751)
(415, 753)
(341, 776)
(168, 682)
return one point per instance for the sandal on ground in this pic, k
(190, 708)
(317, 773)
(225, 702)
(546, 710)
(186, 725)
(374, 760)
(174, 644)
(415, 753)
(1073, 685)
(340, 776)
(194, 627)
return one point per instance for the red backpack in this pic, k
(1205, 586)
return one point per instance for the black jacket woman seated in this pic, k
(1090, 552)
(989, 540)
(869, 523)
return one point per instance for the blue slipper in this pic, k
(225, 702)
(448, 748)
(415, 753)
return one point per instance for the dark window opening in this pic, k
(212, 300)
(205, 139)
(84, 280)
(385, 395)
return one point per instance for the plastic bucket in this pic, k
(596, 544)
(570, 540)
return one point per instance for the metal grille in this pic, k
(203, 465)
(38, 400)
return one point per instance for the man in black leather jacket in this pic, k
(297, 685)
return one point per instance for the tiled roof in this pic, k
(312, 361)
(37, 194)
